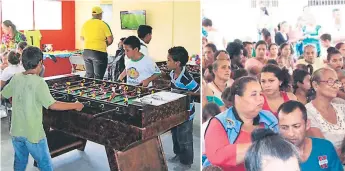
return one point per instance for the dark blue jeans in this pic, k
(39, 151)
(182, 136)
(96, 63)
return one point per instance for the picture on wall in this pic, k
(131, 20)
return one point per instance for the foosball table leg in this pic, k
(82, 148)
(111, 154)
(147, 156)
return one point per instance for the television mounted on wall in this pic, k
(131, 20)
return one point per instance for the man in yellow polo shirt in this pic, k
(97, 36)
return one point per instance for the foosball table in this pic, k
(126, 119)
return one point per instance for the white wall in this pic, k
(236, 18)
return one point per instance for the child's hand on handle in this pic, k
(145, 83)
(78, 106)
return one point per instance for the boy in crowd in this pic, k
(182, 135)
(140, 69)
(29, 93)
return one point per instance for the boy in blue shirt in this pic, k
(29, 93)
(182, 135)
(316, 154)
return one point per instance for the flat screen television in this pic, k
(131, 20)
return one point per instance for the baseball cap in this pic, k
(97, 10)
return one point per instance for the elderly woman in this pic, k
(327, 118)
(228, 136)
(221, 72)
(11, 36)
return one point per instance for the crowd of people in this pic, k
(274, 104)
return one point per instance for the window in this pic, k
(20, 15)
(30, 15)
(107, 13)
(48, 15)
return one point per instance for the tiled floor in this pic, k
(94, 157)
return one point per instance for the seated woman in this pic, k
(301, 85)
(221, 72)
(254, 65)
(285, 55)
(273, 51)
(228, 136)
(13, 67)
(327, 118)
(208, 59)
(334, 58)
(266, 154)
(274, 83)
(236, 53)
(341, 48)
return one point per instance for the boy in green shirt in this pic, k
(29, 93)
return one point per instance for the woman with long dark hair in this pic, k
(11, 36)
(275, 83)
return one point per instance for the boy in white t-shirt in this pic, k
(13, 67)
(140, 69)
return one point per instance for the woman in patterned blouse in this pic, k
(326, 112)
(11, 36)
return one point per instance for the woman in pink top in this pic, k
(254, 65)
(285, 56)
(274, 83)
(273, 51)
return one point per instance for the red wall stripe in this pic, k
(62, 39)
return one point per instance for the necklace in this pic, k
(217, 86)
